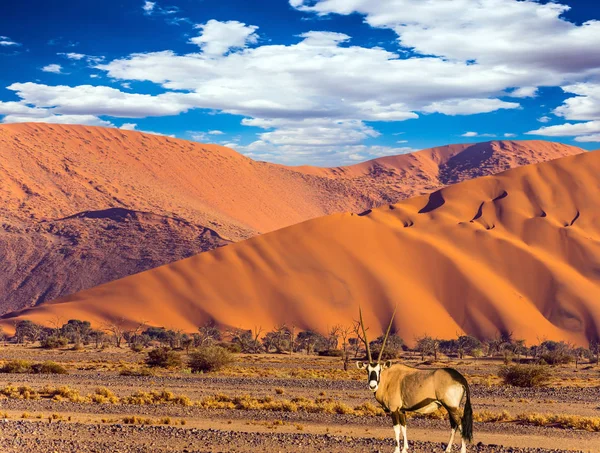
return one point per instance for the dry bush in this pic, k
(156, 397)
(209, 358)
(48, 367)
(16, 366)
(102, 395)
(26, 367)
(525, 375)
(163, 358)
(54, 342)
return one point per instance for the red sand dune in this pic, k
(81, 206)
(519, 251)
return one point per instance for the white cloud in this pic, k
(588, 138)
(133, 127)
(215, 132)
(468, 106)
(126, 85)
(88, 120)
(524, 92)
(476, 134)
(514, 34)
(80, 56)
(584, 106)
(313, 132)
(72, 55)
(148, 7)
(54, 68)
(544, 119)
(218, 38)
(98, 100)
(568, 129)
(509, 135)
(5, 41)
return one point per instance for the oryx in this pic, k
(401, 389)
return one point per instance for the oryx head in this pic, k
(374, 369)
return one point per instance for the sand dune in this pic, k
(519, 251)
(58, 184)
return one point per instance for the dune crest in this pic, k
(62, 186)
(518, 251)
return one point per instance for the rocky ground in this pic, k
(65, 426)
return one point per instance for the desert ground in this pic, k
(272, 403)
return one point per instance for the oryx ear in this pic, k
(387, 364)
(361, 365)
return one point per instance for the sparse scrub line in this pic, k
(299, 404)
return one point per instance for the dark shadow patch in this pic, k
(542, 213)
(392, 207)
(479, 213)
(364, 213)
(436, 200)
(408, 223)
(504, 194)
(574, 219)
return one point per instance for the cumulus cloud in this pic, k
(54, 68)
(217, 38)
(544, 119)
(521, 34)
(569, 129)
(98, 100)
(584, 106)
(588, 138)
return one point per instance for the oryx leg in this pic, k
(399, 420)
(396, 422)
(403, 427)
(454, 415)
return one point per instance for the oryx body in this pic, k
(401, 389)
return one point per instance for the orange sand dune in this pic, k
(60, 186)
(519, 251)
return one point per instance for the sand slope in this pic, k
(59, 183)
(519, 251)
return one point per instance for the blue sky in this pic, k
(322, 82)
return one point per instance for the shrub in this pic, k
(525, 375)
(210, 358)
(48, 367)
(163, 358)
(16, 366)
(54, 342)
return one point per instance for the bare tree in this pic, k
(344, 334)
(116, 327)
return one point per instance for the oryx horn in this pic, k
(362, 325)
(387, 334)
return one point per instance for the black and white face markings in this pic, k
(373, 373)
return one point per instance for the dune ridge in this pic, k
(518, 251)
(59, 183)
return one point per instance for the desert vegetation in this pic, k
(285, 380)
